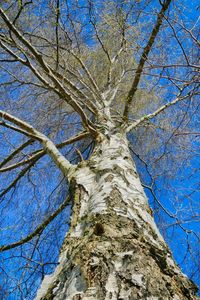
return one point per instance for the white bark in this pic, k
(62, 163)
(113, 249)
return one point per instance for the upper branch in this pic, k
(144, 57)
(155, 113)
(60, 89)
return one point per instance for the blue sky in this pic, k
(43, 188)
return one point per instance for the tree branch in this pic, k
(87, 72)
(63, 164)
(46, 68)
(144, 57)
(39, 229)
(15, 152)
(57, 37)
(19, 130)
(19, 176)
(155, 113)
(40, 153)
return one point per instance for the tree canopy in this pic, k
(66, 66)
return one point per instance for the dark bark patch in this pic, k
(160, 258)
(99, 229)
(109, 178)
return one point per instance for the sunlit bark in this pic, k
(111, 68)
(113, 249)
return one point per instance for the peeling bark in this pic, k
(114, 249)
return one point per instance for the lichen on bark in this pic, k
(113, 249)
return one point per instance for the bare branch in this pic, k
(57, 37)
(90, 105)
(38, 230)
(61, 90)
(144, 57)
(178, 41)
(63, 164)
(19, 130)
(40, 153)
(19, 176)
(20, 10)
(15, 152)
(155, 113)
(92, 80)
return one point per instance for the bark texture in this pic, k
(113, 249)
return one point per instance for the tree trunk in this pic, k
(113, 249)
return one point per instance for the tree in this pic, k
(85, 86)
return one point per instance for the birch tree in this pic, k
(89, 89)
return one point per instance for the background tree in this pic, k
(77, 78)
